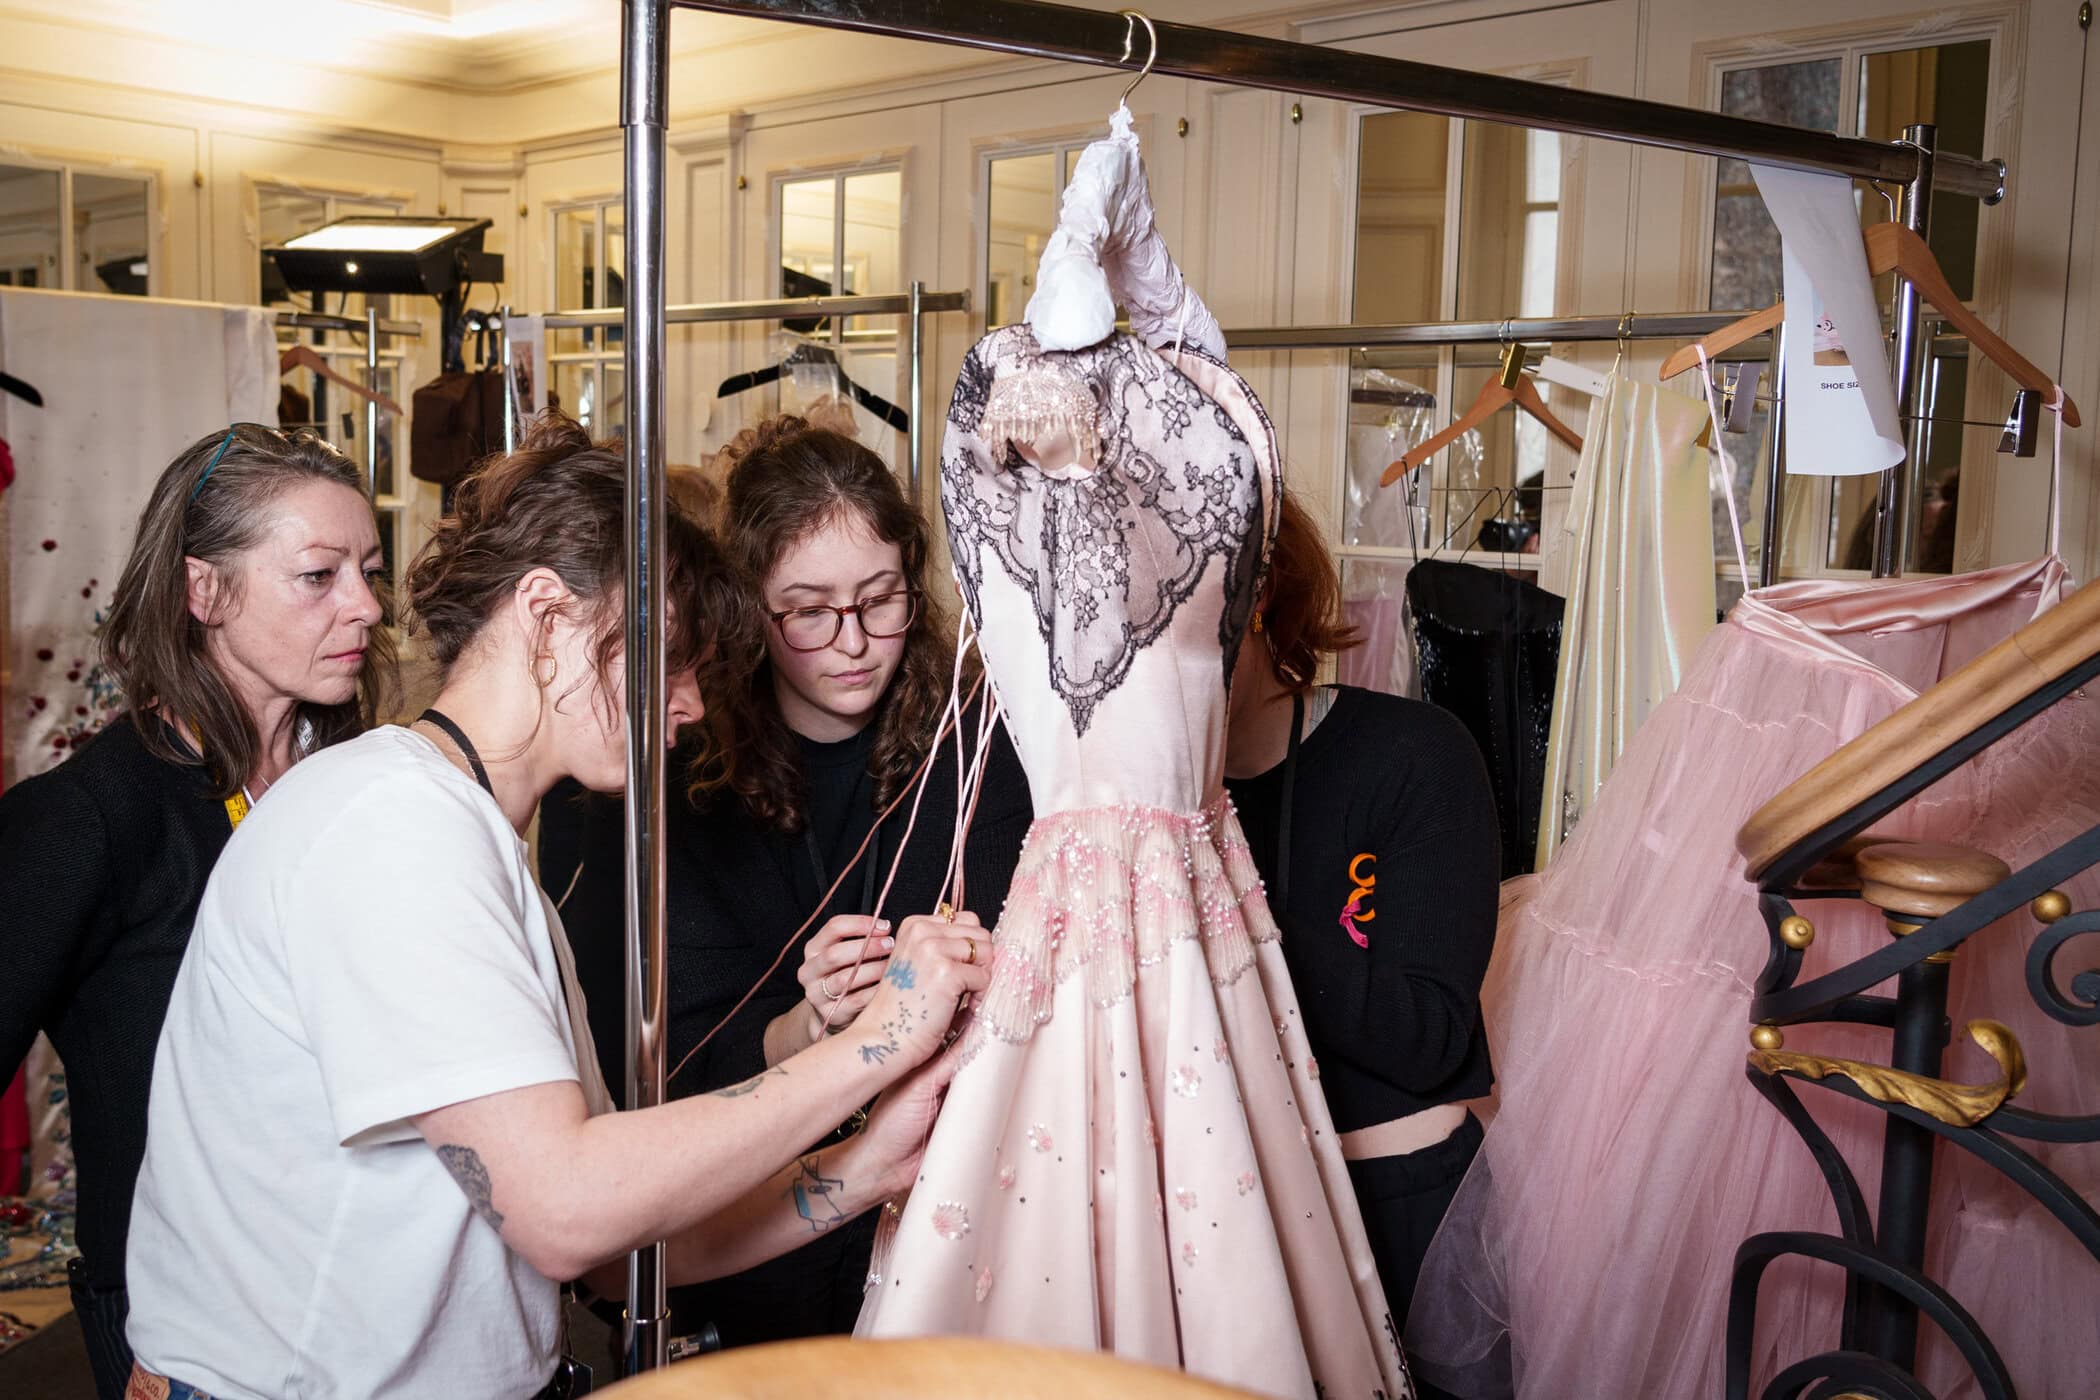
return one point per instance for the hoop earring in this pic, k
(544, 681)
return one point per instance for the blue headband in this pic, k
(212, 465)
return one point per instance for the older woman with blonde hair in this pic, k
(244, 635)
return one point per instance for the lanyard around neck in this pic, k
(466, 746)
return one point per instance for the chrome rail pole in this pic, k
(1070, 34)
(914, 481)
(371, 405)
(1775, 466)
(1891, 518)
(644, 78)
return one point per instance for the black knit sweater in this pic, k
(736, 891)
(1395, 789)
(102, 863)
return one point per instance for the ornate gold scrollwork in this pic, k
(1960, 1105)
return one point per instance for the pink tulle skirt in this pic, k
(1589, 1251)
(1136, 1157)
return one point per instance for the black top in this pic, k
(1390, 798)
(102, 862)
(736, 891)
(1488, 649)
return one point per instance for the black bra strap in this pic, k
(466, 745)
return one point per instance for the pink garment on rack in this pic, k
(1590, 1249)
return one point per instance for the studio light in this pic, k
(418, 256)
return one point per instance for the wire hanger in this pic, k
(1507, 387)
(1893, 248)
(810, 353)
(1131, 20)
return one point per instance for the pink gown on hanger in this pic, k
(1590, 1248)
(1135, 1156)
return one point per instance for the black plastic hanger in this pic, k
(816, 355)
(21, 389)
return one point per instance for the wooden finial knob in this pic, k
(1925, 879)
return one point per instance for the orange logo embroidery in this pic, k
(1355, 912)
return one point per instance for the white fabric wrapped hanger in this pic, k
(1107, 249)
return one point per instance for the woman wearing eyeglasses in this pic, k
(818, 734)
(243, 636)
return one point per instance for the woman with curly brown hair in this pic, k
(828, 730)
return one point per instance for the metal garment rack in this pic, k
(373, 326)
(1094, 37)
(915, 304)
(1548, 330)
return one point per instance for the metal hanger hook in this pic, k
(1131, 20)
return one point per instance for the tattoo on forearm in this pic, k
(816, 1196)
(901, 973)
(749, 1086)
(886, 1042)
(465, 1165)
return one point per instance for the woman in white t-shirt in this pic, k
(376, 1134)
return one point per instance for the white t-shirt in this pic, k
(372, 946)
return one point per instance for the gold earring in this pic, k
(1257, 620)
(543, 681)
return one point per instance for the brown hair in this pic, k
(789, 479)
(155, 647)
(560, 502)
(1301, 608)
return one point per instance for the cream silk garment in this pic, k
(1638, 556)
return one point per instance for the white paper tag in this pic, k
(1840, 401)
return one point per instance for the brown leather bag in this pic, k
(458, 420)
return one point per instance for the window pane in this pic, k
(873, 207)
(28, 227)
(1939, 486)
(1392, 406)
(1746, 244)
(611, 418)
(282, 215)
(1402, 175)
(1949, 86)
(807, 211)
(110, 235)
(576, 394)
(1023, 211)
(1509, 221)
(874, 251)
(575, 271)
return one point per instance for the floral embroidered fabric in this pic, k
(1107, 549)
(1110, 890)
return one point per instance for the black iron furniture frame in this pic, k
(1805, 846)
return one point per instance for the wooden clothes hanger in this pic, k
(1893, 248)
(306, 357)
(1508, 387)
